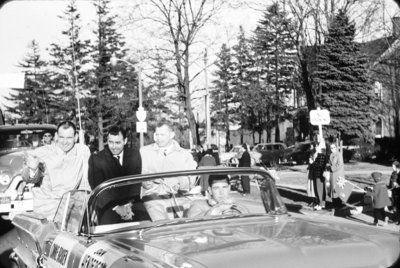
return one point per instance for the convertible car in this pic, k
(112, 227)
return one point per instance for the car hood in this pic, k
(265, 242)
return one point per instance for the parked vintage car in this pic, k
(15, 195)
(230, 158)
(255, 230)
(298, 154)
(271, 153)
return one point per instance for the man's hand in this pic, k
(125, 211)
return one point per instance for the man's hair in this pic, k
(217, 177)
(166, 123)
(47, 132)
(244, 146)
(115, 130)
(65, 125)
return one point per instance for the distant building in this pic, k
(384, 58)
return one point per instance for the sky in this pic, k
(22, 21)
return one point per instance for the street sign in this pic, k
(319, 117)
(141, 127)
(141, 114)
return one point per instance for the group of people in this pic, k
(324, 171)
(65, 164)
(209, 158)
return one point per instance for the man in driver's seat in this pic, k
(218, 201)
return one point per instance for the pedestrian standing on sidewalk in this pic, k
(316, 170)
(394, 187)
(310, 179)
(336, 167)
(207, 160)
(380, 198)
(245, 161)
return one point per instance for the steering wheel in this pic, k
(226, 209)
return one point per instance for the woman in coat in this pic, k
(336, 167)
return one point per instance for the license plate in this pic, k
(5, 199)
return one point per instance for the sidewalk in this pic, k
(293, 188)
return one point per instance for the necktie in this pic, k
(165, 152)
(118, 158)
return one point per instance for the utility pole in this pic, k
(207, 100)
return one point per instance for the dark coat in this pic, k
(104, 166)
(316, 168)
(394, 177)
(245, 160)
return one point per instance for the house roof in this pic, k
(381, 49)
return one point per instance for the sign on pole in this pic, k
(318, 118)
(141, 127)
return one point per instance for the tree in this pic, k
(113, 89)
(67, 71)
(32, 101)
(159, 90)
(276, 62)
(222, 94)
(312, 19)
(242, 79)
(182, 20)
(342, 78)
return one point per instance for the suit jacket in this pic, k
(245, 160)
(104, 166)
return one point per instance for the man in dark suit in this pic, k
(245, 161)
(115, 160)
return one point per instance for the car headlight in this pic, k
(5, 179)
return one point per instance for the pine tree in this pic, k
(222, 94)
(67, 67)
(113, 94)
(344, 85)
(241, 79)
(32, 100)
(276, 66)
(159, 94)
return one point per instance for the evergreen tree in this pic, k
(32, 101)
(222, 94)
(275, 54)
(113, 89)
(67, 67)
(344, 85)
(159, 94)
(242, 80)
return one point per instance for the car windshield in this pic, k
(22, 136)
(170, 198)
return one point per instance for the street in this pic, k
(292, 187)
